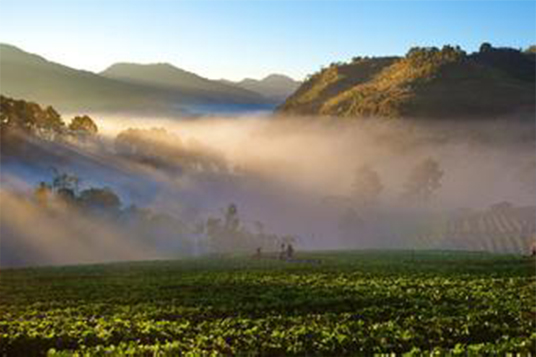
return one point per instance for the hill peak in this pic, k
(275, 77)
(427, 82)
(134, 70)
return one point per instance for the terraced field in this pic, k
(325, 304)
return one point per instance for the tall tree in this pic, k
(424, 180)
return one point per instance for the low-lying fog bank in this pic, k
(210, 185)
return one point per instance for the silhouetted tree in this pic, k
(423, 181)
(100, 198)
(232, 221)
(486, 47)
(63, 182)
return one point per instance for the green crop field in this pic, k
(323, 304)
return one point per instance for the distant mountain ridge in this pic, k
(152, 89)
(170, 77)
(427, 82)
(275, 87)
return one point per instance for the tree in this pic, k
(486, 47)
(28, 117)
(52, 120)
(232, 221)
(100, 198)
(225, 233)
(65, 182)
(42, 193)
(83, 124)
(423, 181)
(367, 186)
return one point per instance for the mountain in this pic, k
(275, 87)
(25, 75)
(169, 77)
(120, 89)
(427, 82)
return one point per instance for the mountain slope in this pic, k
(275, 87)
(29, 76)
(427, 82)
(24, 75)
(168, 77)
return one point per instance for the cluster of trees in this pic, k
(229, 234)
(423, 182)
(63, 194)
(360, 218)
(30, 117)
(517, 63)
(20, 118)
(65, 189)
(165, 150)
(417, 56)
(433, 56)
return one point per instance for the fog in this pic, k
(297, 176)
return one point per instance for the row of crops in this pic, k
(499, 229)
(353, 303)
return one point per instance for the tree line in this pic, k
(20, 118)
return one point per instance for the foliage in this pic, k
(159, 148)
(228, 234)
(65, 181)
(64, 188)
(21, 120)
(424, 180)
(352, 303)
(28, 116)
(531, 49)
(100, 199)
(83, 124)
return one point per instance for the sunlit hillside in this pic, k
(427, 82)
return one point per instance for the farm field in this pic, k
(358, 303)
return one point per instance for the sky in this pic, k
(254, 38)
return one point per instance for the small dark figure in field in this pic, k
(290, 251)
(258, 253)
(282, 253)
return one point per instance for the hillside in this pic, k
(29, 76)
(427, 82)
(167, 76)
(275, 87)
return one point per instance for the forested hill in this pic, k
(427, 82)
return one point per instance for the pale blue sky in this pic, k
(237, 39)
